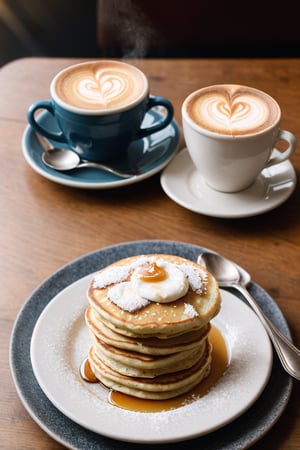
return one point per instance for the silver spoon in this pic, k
(64, 159)
(228, 275)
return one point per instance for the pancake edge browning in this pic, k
(155, 351)
(146, 345)
(138, 365)
(207, 304)
(160, 388)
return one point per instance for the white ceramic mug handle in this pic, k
(282, 156)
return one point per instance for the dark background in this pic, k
(143, 28)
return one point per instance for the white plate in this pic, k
(60, 342)
(150, 154)
(183, 184)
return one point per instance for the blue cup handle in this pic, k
(160, 123)
(48, 105)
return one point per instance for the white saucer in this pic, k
(60, 342)
(183, 184)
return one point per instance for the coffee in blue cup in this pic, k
(99, 107)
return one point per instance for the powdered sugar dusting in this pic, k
(61, 341)
(189, 311)
(115, 274)
(131, 298)
(142, 260)
(196, 277)
(118, 274)
(124, 296)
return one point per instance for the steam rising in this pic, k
(127, 26)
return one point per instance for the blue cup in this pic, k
(115, 98)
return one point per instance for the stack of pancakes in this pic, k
(149, 318)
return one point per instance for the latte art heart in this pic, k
(101, 86)
(232, 109)
(233, 115)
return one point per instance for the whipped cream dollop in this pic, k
(160, 282)
(131, 287)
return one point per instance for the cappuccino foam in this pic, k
(232, 110)
(101, 85)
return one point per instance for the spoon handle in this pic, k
(121, 173)
(288, 354)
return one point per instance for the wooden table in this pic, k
(45, 225)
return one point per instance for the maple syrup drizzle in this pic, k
(152, 272)
(218, 367)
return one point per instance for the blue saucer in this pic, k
(150, 154)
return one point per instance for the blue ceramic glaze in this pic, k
(149, 155)
(100, 137)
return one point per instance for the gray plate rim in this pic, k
(241, 433)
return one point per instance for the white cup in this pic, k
(230, 132)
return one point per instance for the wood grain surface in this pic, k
(45, 225)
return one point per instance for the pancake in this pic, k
(159, 388)
(161, 320)
(148, 346)
(149, 319)
(138, 365)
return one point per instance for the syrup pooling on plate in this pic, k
(232, 109)
(101, 86)
(86, 372)
(218, 368)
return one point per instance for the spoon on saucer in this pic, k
(64, 159)
(228, 275)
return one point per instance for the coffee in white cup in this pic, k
(231, 132)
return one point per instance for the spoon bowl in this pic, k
(61, 159)
(223, 270)
(228, 275)
(65, 159)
